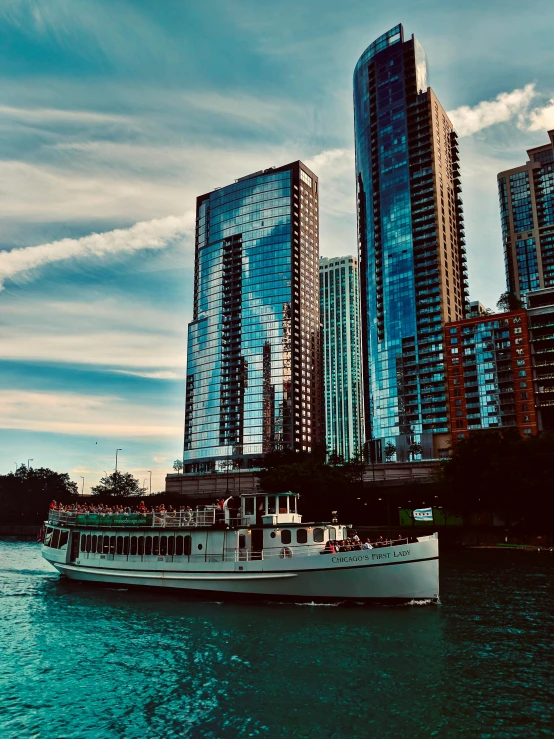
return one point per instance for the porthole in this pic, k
(200, 546)
(273, 534)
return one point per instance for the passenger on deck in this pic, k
(367, 544)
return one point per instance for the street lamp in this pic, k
(83, 486)
(29, 463)
(115, 474)
(150, 471)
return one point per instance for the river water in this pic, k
(80, 662)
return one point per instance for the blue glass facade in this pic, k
(340, 319)
(411, 247)
(253, 371)
(526, 197)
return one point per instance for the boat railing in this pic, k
(176, 519)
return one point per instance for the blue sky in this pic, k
(114, 116)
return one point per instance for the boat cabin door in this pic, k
(257, 541)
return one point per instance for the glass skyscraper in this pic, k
(527, 216)
(340, 320)
(411, 247)
(254, 380)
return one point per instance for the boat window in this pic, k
(64, 538)
(99, 544)
(242, 541)
(285, 536)
(88, 542)
(148, 549)
(283, 504)
(344, 533)
(112, 544)
(133, 544)
(48, 537)
(163, 545)
(179, 546)
(249, 506)
(55, 539)
(187, 545)
(155, 545)
(126, 545)
(301, 536)
(332, 533)
(170, 545)
(119, 546)
(93, 544)
(140, 548)
(318, 535)
(271, 504)
(83, 542)
(292, 504)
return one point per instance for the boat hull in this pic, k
(399, 573)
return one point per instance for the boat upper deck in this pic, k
(246, 511)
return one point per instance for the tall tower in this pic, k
(340, 320)
(411, 246)
(527, 215)
(254, 375)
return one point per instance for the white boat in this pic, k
(260, 549)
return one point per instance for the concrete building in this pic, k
(254, 374)
(340, 320)
(540, 312)
(411, 248)
(490, 376)
(526, 196)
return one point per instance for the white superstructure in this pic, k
(260, 549)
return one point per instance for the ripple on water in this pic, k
(85, 663)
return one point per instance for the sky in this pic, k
(115, 115)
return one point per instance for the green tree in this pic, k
(26, 494)
(390, 451)
(335, 459)
(500, 472)
(118, 484)
(415, 449)
(177, 465)
(508, 301)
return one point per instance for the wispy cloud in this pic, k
(155, 234)
(58, 115)
(507, 105)
(86, 415)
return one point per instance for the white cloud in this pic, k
(542, 119)
(504, 107)
(86, 415)
(155, 234)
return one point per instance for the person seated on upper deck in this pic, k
(329, 548)
(53, 505)
(367, 544)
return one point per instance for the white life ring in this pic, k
(285, 552)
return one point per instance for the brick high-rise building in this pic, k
(254, 375)
(490, 375)
(411, 246)
(527, 216)
(540, 312)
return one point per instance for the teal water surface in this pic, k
(81, 662)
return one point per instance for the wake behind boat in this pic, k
(260, 548)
